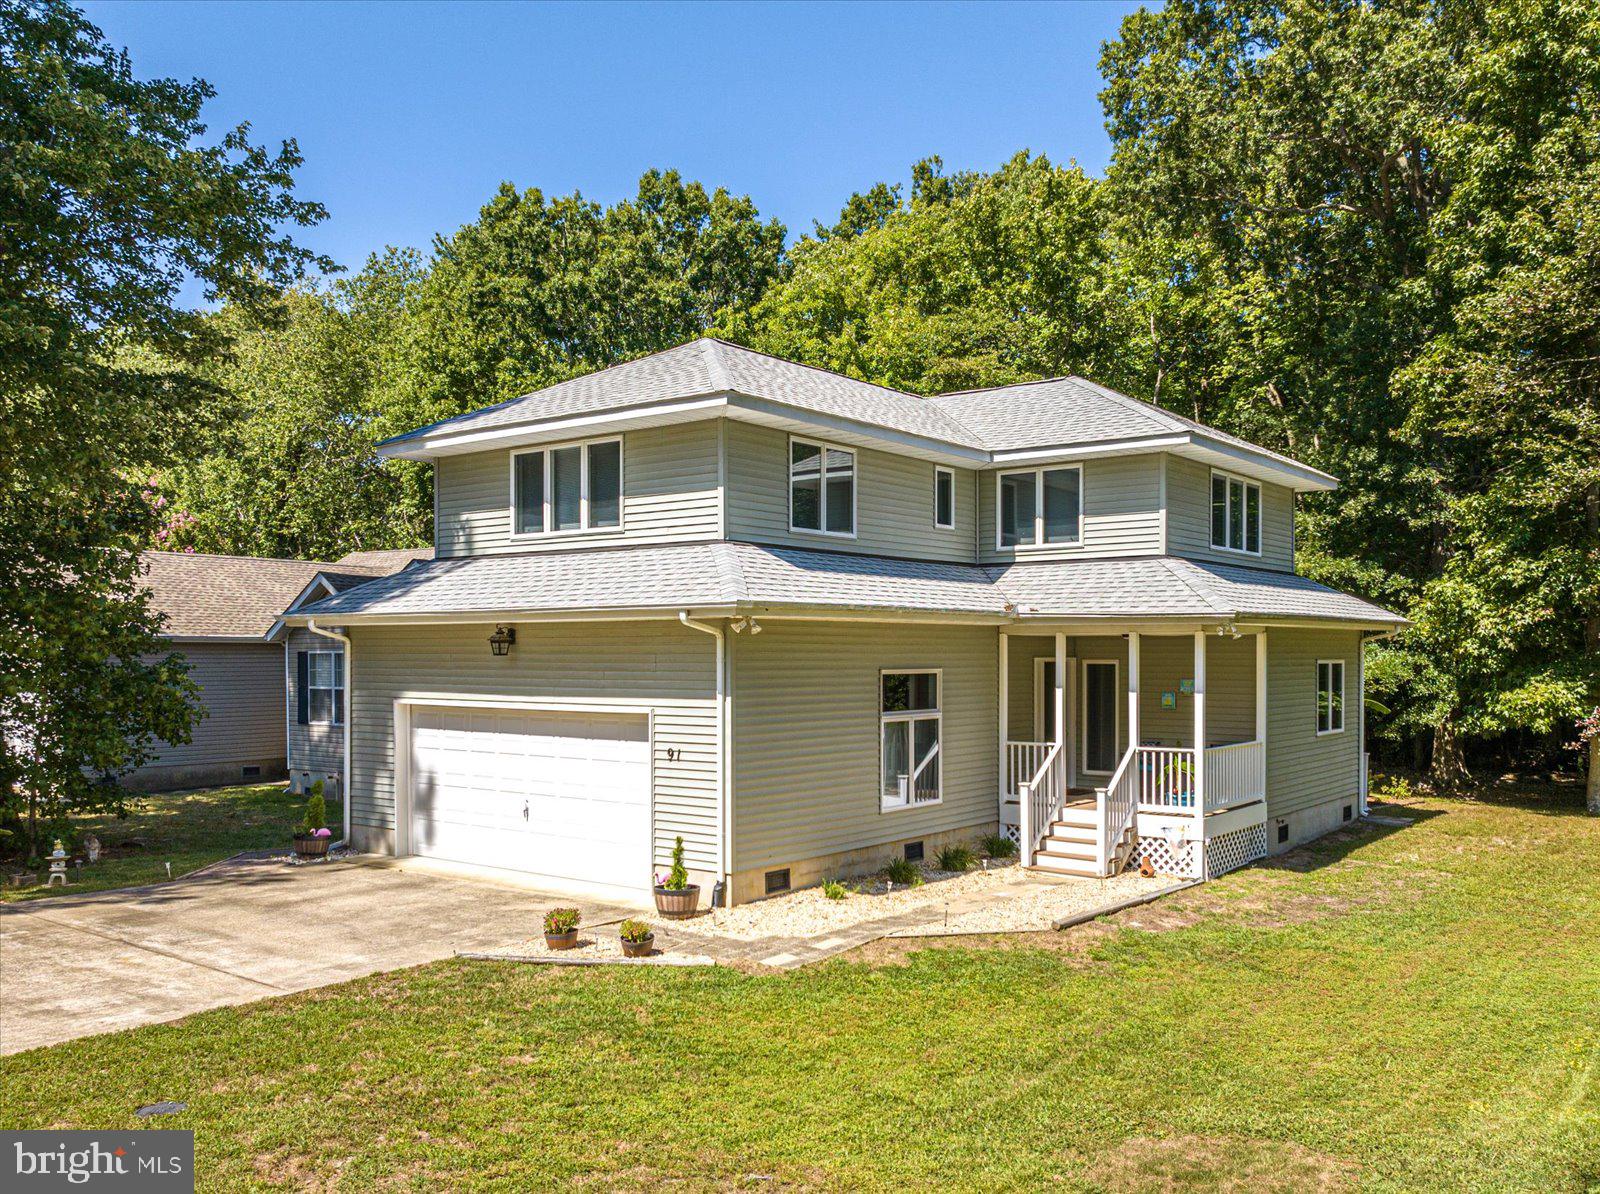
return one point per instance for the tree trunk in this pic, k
(1592, 788)
(1449, 768)
(1591, 634)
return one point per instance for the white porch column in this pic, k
(1061, 689)
(1200, 753)
(1261, 686)
(1133, 690)
(1005, 722)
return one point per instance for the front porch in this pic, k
(1125, 780)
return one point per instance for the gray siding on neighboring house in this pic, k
(1121, 512)
(669, 494)
(806, 736)
(665, 666)
(1189, 519)
(894, 501)
(315, 748)
(1304, 769)
(241, 690)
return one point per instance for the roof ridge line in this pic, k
(1171, 564)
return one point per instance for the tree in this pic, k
(110, 201)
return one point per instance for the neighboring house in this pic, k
(223, 612)
(805, 623)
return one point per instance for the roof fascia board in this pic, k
(644, 415)
(487, 616)
(1108, 447)
(318, 579)
(1304, 476)
(216, 638)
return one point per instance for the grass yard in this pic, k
(1392, 1009)
(187, 829)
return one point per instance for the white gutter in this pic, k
(724, 804)
(349, 687)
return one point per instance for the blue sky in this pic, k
(409, 115)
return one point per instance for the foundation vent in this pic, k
(1283, 832)
(913, 851)
(777, 881)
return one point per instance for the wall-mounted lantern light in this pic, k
(502, 638)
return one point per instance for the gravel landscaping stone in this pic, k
(1037, 904)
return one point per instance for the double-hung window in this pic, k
(822, 488)
(944, 498)
(909, 730)
(321, 684)
(567, 488)
(1039, 506)
(1235, 514)
(1330, 696)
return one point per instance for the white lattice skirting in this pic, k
(1165, 859)
(1014, 832)
(1232, 850)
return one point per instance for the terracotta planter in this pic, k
(678, 904)
(639, 949)
(311, 847)
(567, 940)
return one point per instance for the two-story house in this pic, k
(806, 623)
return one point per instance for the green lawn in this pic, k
(187, 829)
(1398, 1009)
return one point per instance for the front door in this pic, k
(1101, 698)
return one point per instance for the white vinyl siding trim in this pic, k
(910, 718)
(548, 498)
(1330, 697)
(827, 469)
(944, 498)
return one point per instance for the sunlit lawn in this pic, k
(1398, 1009)
(187, 829)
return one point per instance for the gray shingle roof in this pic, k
(752, 576)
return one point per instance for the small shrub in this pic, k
(956, 858)
(561, 920)
(1396, 789)
(998, 845)
(904, 872)
(834, 889)
(679, 878)
(316, 812)
(636, 930)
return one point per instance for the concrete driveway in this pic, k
(73, 966)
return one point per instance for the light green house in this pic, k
(807, 623)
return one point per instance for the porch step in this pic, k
(1057, 847)
(1078, 816)
(1049, 860)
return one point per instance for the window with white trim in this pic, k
(324, 688)
(944, 498)
(1330, 696)
(1039, 506)
(1235, 513)
(822, 488)
(567, 488)
(909, 725)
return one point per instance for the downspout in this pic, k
(349, 687)
(724, 809)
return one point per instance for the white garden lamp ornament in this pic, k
(58, 866)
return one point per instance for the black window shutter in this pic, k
(303, 691)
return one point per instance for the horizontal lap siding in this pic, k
(1304, 770)
(894, 502)
(1189, 519)
(241, 689)
(1121, 512)
(669, 494)
(806, 736)
(666, 667)
(311, 747)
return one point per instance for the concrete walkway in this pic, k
(72, 966)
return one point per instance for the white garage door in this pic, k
(564, 795)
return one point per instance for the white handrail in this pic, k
(1235, 774)
(1165, 776)
(1023, 760)
(1116, 806)
(1041, 799)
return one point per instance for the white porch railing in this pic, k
(1117, 807)
(1165, 777)
(1041, 799)
(1023, 760)
(1235, 774)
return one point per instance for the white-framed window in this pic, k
(909, 732)
(1330, 696)
(822, 488)
(323, 692)
(564, 489)
(1039, 507)
(1235, 514)
(944, 498)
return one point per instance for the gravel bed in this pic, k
(809, 913)
(1039, 904)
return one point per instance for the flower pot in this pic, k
(639, 949)
(311, 847)
(675, 904)
(567, 940)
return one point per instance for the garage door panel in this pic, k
(583, 779)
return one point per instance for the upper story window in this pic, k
(1235, 513)
(944, 498)
(822, 488)
(1330, 696)
(566, 488)
(1040, 506)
